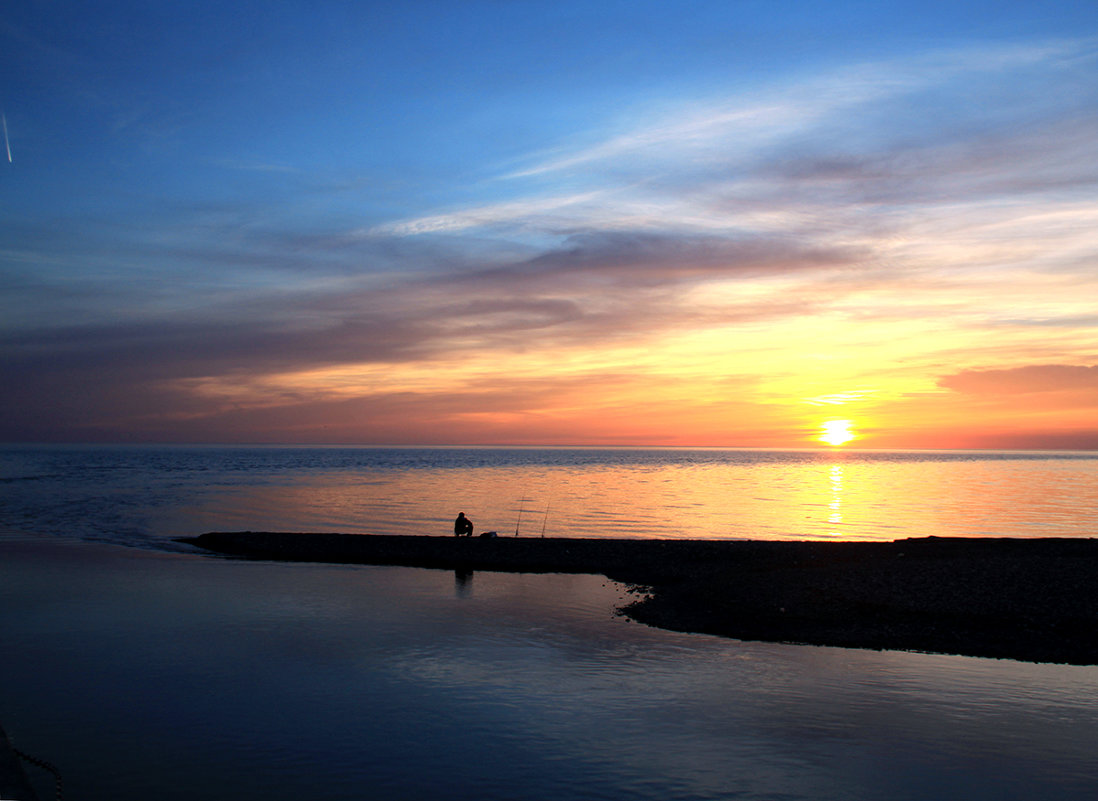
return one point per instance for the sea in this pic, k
(141, 669)
(144, 496)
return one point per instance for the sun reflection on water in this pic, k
(835, 516)
(138, 497)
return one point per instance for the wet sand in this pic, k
(1026, 599)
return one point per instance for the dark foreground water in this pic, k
(150, 675)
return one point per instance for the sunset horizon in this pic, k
(508, 225)
(461, 399)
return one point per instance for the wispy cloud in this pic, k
(737, 128)
(1025, 379)
(514, 212)
(857, 157)
(841, 398)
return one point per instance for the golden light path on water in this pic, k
(835, 507)
(149, 495)
(812, 495)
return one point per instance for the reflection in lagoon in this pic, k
(148, 675)
(463, 583)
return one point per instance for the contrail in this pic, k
(7, 144)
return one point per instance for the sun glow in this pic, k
(836, 432)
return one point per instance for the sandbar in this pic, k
(1032, 600)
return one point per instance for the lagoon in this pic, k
(144, 674)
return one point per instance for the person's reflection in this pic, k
(463, 582)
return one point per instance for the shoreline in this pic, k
(1033, 600)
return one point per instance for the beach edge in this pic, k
(1033, 600)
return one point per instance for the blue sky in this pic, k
(569, 222)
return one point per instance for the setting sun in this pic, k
(836, 432)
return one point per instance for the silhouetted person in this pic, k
(463, 526)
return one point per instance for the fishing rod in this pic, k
(522, 503)
(545, 519)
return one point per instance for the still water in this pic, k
(152, 675)
(148, 671)
(147, 495)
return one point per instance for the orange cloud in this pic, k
(1020, 380)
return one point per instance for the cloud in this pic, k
(624, 259)
(1023, 380)
(597, 287)
(916, 189)
(1082, 439)
(513, 211)
(874, 165)
(739, 128)
(1051, 156)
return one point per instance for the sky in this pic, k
(728, 224)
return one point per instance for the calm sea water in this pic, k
(150, 671)
(147, 495)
